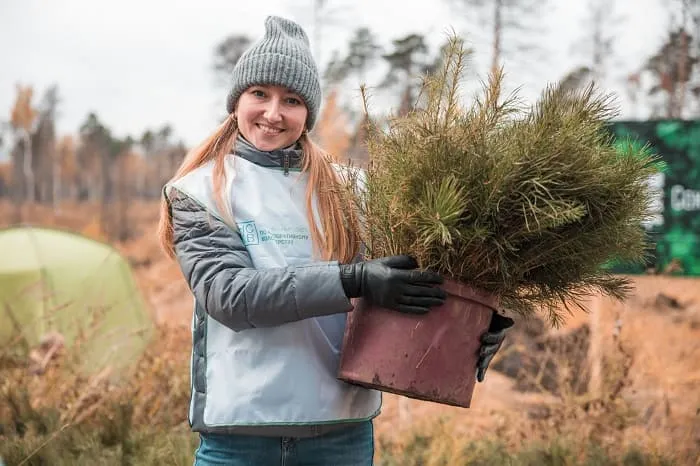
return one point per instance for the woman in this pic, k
(259, 224)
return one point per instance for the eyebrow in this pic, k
(286, 89)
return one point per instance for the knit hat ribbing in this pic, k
(282, 58)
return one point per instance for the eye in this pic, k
(293, 101)
(257, 93)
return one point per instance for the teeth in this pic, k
(269, 129)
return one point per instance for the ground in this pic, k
(655, 333)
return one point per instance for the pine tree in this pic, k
(363, 51)
(529, 204)
(408, 59)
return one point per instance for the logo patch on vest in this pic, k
(249, 232)
(282, 236)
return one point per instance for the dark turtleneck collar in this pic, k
(271, 159)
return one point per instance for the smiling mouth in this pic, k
(271, 130)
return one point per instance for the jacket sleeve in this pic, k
(224, 281)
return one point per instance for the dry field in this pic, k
(647, 350)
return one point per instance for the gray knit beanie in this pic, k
(283, 58)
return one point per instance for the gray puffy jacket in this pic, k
(220, 272)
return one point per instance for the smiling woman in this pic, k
(271, 117)
(268, 238)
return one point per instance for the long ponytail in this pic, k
(338, 238)
(215, 148)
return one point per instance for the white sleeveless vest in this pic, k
(284, 375)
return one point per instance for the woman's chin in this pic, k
(268, 143)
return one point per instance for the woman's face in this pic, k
(270, 117)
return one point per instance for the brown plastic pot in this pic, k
(429, 357)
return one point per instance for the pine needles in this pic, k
(526, 203)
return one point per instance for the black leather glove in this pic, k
(491, 342)
(393, 283)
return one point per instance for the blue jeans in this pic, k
(353, 446)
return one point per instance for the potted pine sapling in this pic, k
(518, 208)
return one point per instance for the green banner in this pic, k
(675, 226)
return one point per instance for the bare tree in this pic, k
(602, 39)
(147, 144)
(320, 15)
(325, 14)
(597, 46)
(65, 175)
(93, 156)
(4, 129)
(319, 11)
(161, 157)
(44, 144)
(163, 148)
(671, 68)
(689, 45)
(121, 153)
(504, 17)
(23, 119)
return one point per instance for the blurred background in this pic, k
(99, 103)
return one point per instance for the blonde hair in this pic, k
(337, 237)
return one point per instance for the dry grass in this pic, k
(647, 407)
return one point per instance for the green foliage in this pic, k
(525, 203)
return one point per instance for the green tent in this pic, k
(52, 280)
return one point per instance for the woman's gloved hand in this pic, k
(393, 283)
(491, 342)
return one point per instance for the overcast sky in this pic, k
(144, 63)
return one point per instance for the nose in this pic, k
(272, 110)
